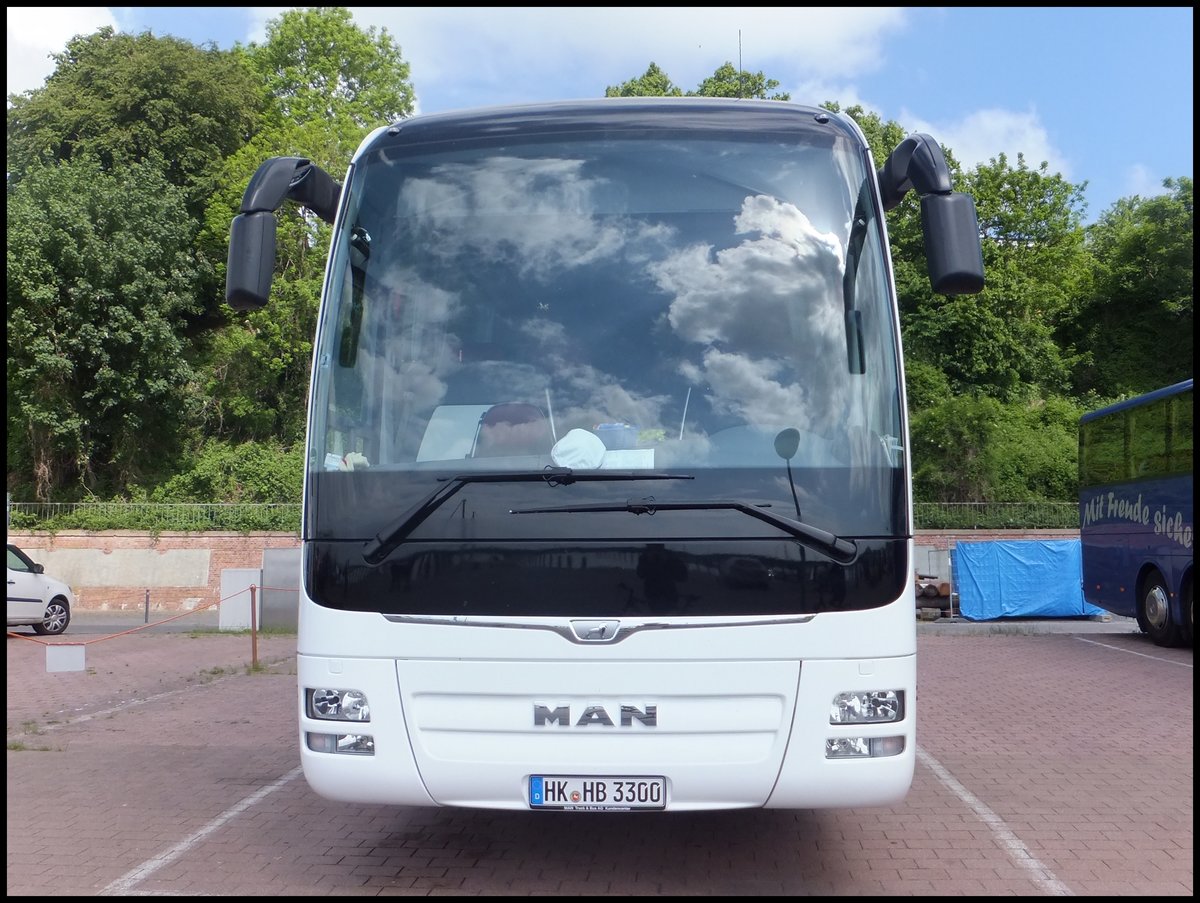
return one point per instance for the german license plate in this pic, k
(595, 793)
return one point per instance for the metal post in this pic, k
(253, 629)
(147, 614)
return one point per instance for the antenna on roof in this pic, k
(741, 72)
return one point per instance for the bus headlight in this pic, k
(328, 704)
(863, 747)
(867, 707)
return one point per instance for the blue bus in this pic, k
(1135, 511)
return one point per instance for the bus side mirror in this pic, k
(251, 261)
(952, 249)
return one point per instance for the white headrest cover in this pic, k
(578, 449)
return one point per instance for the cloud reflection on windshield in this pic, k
(759, 321)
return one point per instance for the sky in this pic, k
(1104, 96)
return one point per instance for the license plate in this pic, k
(594, 793)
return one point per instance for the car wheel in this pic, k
(1155, 607)
(58, 616)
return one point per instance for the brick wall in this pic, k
(946, 539)
(117, 569)
(932, 548)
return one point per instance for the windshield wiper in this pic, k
(378, 548)
(842, 550)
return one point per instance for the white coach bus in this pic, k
(607, 501)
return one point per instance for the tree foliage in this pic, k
(99, 267)
(124, 98)
(730, 82)
(330, 84)
(726, 81)
(317, 65)
(652, 83)
(970, 448)
(264, 472)
(1135, 324)
(127, 374)
(1002, 342)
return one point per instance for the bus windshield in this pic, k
(635, 303)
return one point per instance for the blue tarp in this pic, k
(1019, 579)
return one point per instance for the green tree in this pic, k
(952, 449)
(985, 374)
(726, 81)
(925, 384)
(99, 270)
(331, 83)
(110, 298)
(267, 472)
(652, 83)
(124, 98)
(1136, 326)
(973, 448)
(317, 65)
(1002, 342)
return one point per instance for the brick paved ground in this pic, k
(128, 661)
(1050, 763)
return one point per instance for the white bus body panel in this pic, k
(742, 711)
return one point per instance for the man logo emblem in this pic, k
(595, 631)
(594, 714)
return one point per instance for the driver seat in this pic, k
(512, 428)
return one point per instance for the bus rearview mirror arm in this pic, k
(251, 262)
(948, 218)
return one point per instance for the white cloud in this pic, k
(527, 46)
(1140, 180)
(476, 49)
(258, 17)
(34, 32)
(985, 134)
(817, 91)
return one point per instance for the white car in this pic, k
(34, 599)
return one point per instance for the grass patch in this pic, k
(241, 631)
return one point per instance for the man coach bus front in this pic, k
(607, 500)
